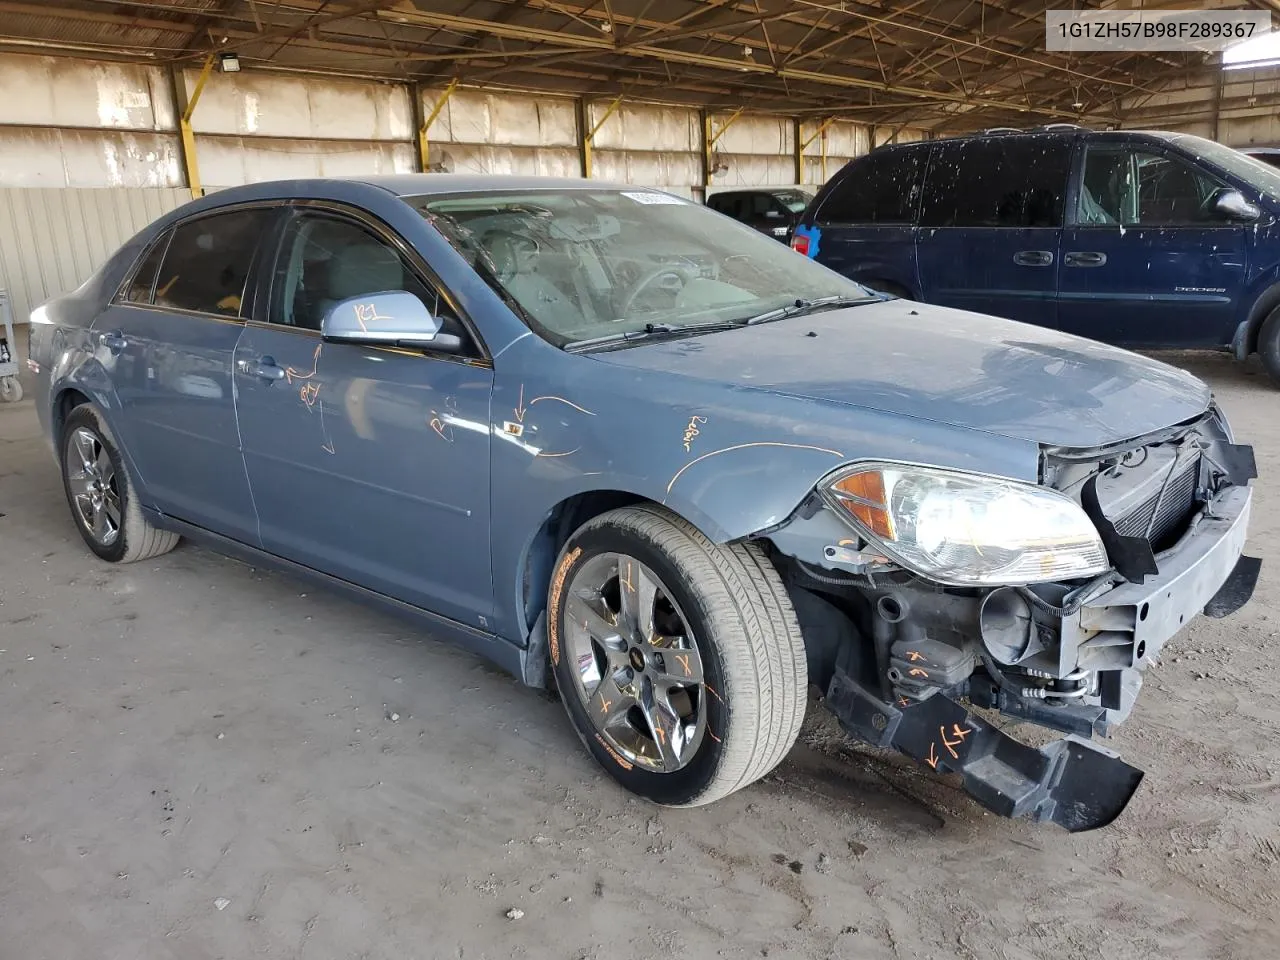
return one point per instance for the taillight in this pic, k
(800, 244)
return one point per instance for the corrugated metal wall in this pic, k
(69, 125)
(51, 240)
(480, 132)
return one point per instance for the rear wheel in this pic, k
(101, 494)
(1269, 345)
(892, 289)
(679, 661)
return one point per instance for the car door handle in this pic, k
(113, 341)
(1033, 258)
(1084, 258)
(264, 369)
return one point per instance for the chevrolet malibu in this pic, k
(618, 444)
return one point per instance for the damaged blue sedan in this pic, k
(618, 443)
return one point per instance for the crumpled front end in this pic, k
(906, 660)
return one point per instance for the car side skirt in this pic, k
(499, 651)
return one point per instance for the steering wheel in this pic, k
(675, 278)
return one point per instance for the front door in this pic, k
(1146, 262)
(368, 463)
(990, 224)
(170, 339)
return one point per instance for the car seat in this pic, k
(515, 260)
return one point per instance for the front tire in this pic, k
(679, 661)
(101, 495)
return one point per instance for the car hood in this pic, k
(948, 366)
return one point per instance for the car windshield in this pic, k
(582, 264)
(1252, 171)
(794, 200)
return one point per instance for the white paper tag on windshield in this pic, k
(652, 197)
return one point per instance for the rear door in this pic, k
(1145, 261)
(990, 225)
(169, 343)
(863, 227)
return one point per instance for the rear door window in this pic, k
(997, 182)
(730, 204)
(207, 263)
(882, 187)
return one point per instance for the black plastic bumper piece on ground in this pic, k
(1071, 782)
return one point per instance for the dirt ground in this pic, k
(199, 759)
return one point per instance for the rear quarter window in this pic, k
(882, 187)
(143, 282)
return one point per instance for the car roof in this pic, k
(1053, 129)
(721, 193)
(425, 184)
(405, 185)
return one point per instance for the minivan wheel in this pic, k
(679, 661)
(1269, 345)
(100, 493)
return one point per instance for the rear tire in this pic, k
(892, 289)
(101, 493)
(1269, 345)
(722, 609)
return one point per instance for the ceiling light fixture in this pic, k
(229, 63)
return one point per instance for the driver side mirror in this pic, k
(391, 318)
(1230, 204)
(773, 213)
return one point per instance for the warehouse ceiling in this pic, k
(943, 64)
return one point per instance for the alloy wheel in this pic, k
(636, 666)
(95, 493)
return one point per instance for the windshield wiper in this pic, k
(653, 331)
(802, 306)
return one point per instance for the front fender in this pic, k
(731, 461)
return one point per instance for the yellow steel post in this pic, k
(822, 129)
(798, 150)
(424, 146)
(588, 136)
(710, 136)
(184, 123)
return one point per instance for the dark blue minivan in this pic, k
(1142, 239)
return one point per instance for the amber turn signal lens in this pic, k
(862, 494)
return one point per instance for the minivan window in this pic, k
(882, 187)
(1144, 188)
(207, 263)
(997, 182)
(144, 278)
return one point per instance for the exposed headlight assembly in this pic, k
(964, 529)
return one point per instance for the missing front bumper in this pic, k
(1070, 782)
